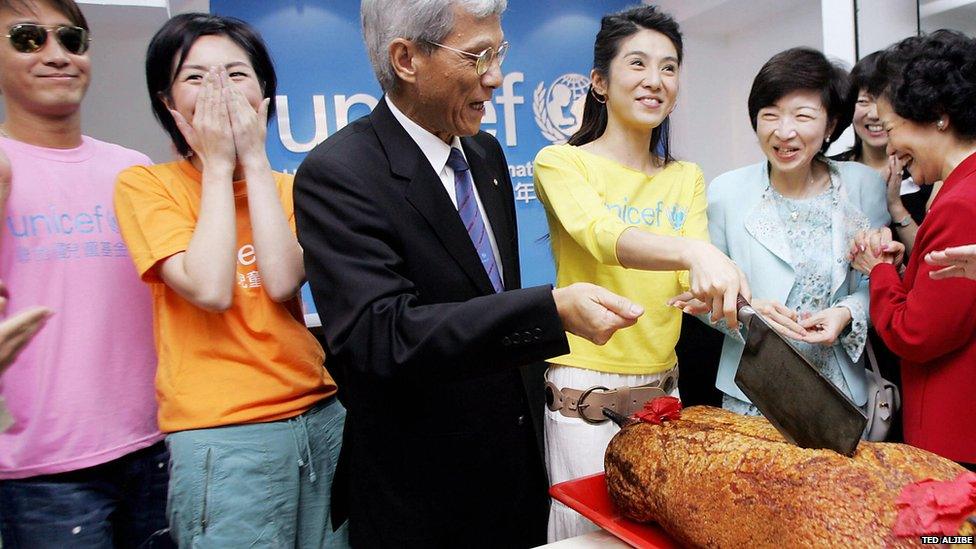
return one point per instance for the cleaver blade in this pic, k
(803, 405)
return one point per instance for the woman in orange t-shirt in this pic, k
(253, 426)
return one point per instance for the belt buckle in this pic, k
(580, 407)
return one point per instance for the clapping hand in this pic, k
(869, 248)
(956, 261)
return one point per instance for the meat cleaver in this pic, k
(803, 405)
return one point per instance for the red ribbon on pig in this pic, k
(660, 409)
(932, 507)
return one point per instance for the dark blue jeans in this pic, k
(121, 503)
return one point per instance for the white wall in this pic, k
(957, 15)
(881, 23)
(117, 108)
(725, 46)
(705, 121)
(117, 105)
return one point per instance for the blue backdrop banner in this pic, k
(325, 81)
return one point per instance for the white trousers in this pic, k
(575, 448)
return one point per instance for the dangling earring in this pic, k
(940, 124)
(597, 97)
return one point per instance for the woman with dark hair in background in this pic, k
(927, 110)
(618, 205)
(907, 202)
(253, 426)
(788, 222)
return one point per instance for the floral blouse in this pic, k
(808, 229)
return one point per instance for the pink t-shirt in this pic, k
(81, 393)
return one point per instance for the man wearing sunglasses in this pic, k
(407, 220)
(83, 464)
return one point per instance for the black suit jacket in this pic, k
(438, 447)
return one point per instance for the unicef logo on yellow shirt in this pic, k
(677, 216)
(559, 108)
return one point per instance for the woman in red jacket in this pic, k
(927, 111)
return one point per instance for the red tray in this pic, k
(588, 496)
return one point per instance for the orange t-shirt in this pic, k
(255, 362)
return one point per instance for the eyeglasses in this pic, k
(31, 37)
(484, 59)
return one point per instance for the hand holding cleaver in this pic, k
(803, 405)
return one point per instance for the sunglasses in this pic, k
(31, 37)
(484, 59)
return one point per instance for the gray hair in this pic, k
(421, 21)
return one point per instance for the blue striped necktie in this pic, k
(471, 216)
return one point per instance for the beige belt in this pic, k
(588, 404)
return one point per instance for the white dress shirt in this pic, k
(437, 152)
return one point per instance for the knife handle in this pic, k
(743, 309)
(620, 419)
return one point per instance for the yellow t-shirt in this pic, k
(590, 200)
(255, 362)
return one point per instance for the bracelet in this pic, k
(905, 221)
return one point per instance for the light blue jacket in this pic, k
(743, 223)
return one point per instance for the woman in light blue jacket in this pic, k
(788, 223)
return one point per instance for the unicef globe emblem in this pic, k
(559, 109)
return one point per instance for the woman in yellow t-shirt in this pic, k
(627, 216)
(253, 426)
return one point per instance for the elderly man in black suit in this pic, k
(407, 220)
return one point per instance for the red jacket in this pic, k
(931, 325)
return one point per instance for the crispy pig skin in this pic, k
(717, 479)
